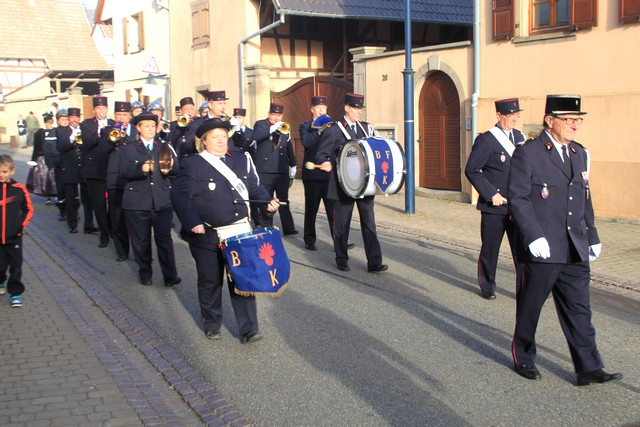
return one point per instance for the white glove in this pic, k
(594, 251)
(292, 171)
(274, 127)
(234, 122)
(539, 248)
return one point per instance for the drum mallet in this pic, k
(257, 201)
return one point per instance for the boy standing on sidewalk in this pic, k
(15, 213)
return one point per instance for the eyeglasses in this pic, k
(570, 120)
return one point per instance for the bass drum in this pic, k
(366, 167)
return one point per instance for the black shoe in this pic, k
(122, 258)
(213, 335)
(597, 376)
(488, 295)
(73, 230)
(173, 281)
(378, 269)
(350, 246)
(145, 281)
(529, 372)
(343, 267)
(103, 244)
(90, 230)
(62, 218)
(250, 337)
(310, 247)
(291, 233)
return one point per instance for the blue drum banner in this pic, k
(384, 162)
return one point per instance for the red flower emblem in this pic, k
(267, 253)
(385, 167)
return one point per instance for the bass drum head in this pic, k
(352, 168)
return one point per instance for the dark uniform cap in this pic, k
(122, 107)
(62, 113)
(276, 108)
(186, 101)
(144, 116)
(73, 111)
(137, 104)
(508, 106)
(354, 100)
(99, 100)
(210, 124)
(318, 100)
(217, 95)
(562, 104)
(240, 112)
(46, 117)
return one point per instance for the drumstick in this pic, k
(257, 201)
(311, 165)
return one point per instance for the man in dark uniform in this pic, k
(94, 164)
(276, 164)
(488, 170)
(53, 157)
(556, 237)
(115, 183)
(243, 137)
(146, 199)
(316, 182)
(332, 140)
(204, 196)
(67, 141)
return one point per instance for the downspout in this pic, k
(476, 69)
(241, 50)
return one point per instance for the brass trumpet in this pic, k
(165, 127)
(321, 122)
(118, 132)
(184, 120)
(78, 139)
(285, 128)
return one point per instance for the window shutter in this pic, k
(629, 11)
(583, 14)
(503, 19)
(140, 31)
(125, 41)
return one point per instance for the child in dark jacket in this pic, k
(15, 213)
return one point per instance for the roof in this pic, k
(56, 30)
(454, 12)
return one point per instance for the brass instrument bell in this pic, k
(285, 128)
(184, 120)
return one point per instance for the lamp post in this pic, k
(410, 196)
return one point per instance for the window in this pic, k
(200, 24)
(629, 11)
(133, 33)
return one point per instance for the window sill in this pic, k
(545, 37)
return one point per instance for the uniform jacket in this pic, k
(16, 210)
(115, 181)
(144, 191)
(544, 202)
(51, 154)
(331, 142)
(243, 141)
(202, 194)
(183, 139)
(274, 152)
(95, 149)
(70, 161)
(488, 169)
(310, 139)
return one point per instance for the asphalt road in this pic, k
(412, 346)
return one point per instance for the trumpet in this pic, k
(184, 120)
(235, 126)
(78, 138)
(285, 128)
(165, 127)
(118, 132)
(321, 122)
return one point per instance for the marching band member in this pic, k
(205, 197)
(70, 163)
(333, 138)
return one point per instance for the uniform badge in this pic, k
(212, 186)
(544, 193)
(503, 158)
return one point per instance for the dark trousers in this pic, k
(492, 229)
(210, 267)
(569, 285)
(278, 184)
(314, 192)
(118, 223)
(343, 210)
(86, 205)
(96, 190)
(60, 203)
(11, 259)
(71, 204)
(140, 224)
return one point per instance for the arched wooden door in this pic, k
(440, 131)
(297, 104)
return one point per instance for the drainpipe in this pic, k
(476, 69)
(241, 51)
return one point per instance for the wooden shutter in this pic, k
(503, 12)
(140, 31)
(583, 14)
(200, 23)
(629, 11)
(125, 42)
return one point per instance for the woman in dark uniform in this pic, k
(206, 197)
